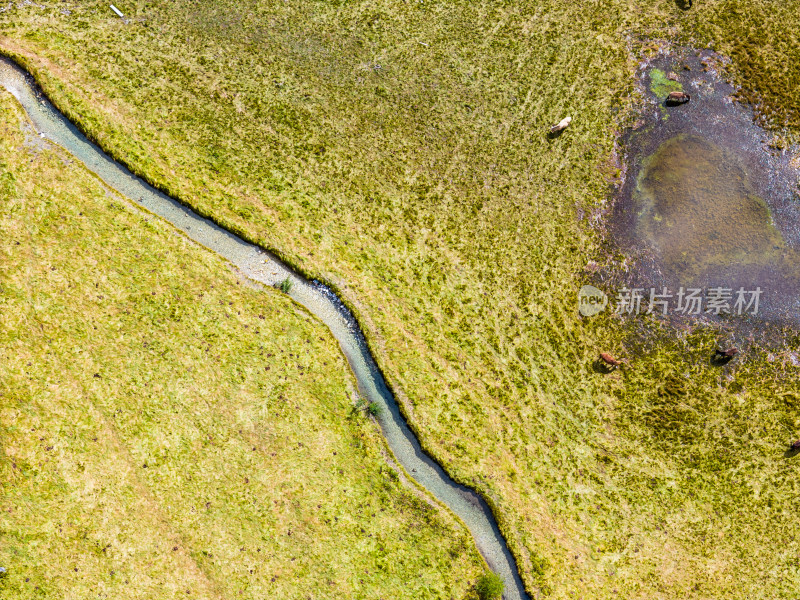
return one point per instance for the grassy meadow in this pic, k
(398, 150)
(167, 431)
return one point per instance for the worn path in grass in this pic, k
(168, 432)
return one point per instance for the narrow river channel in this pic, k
(318, 299)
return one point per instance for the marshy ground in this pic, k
(708, 201)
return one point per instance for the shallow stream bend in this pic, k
(259, 265)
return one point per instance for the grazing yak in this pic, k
(723, 357)
(729, 353)
(676, 98)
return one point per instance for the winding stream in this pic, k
(318, 299)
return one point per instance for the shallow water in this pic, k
(695, 207)
(319, 300)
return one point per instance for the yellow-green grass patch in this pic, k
(167, 431)
(400, 151)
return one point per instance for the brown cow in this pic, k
(676, 98)
(610, 360)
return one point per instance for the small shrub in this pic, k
(286, 286)
(370, 408)
(490, 586)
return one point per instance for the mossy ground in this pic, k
(400, 151)
(661, 85)
(169, 432)
(763, 41)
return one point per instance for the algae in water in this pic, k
(661, 85)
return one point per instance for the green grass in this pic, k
(661, 85)
(400, 152)
(489, 587)
(167, 431)
(285, 286)
(763, 42)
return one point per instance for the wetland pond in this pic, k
(706, 202)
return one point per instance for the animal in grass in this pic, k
(675, 98)
(795, 445)
(561, 125)
(723, 357)
(610, 360)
